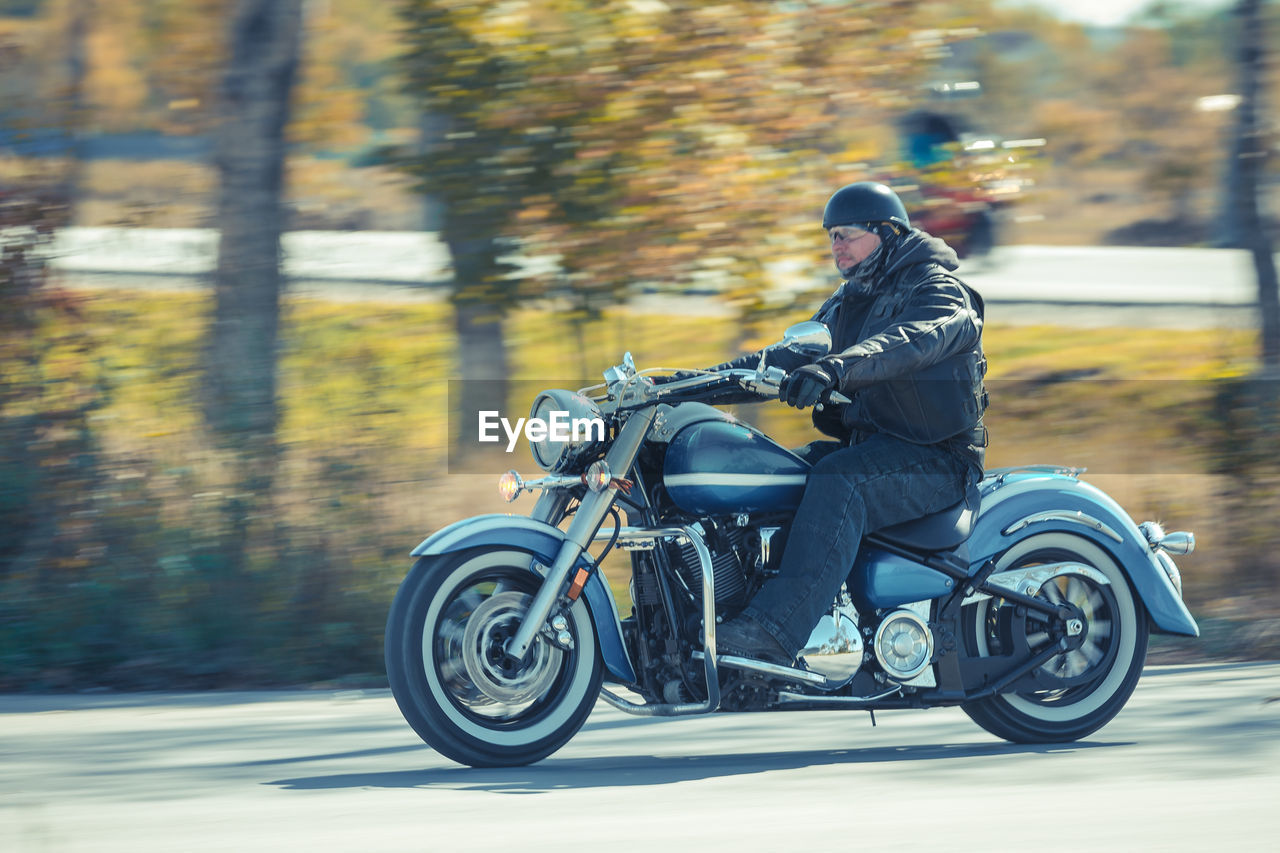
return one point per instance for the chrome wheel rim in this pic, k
(1096, 647)
(1077, 672)
(478, 677)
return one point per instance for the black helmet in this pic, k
(865, 201)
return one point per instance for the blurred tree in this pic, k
(49, 467)
(518, 153)
(1197, 35)
(1143, 140)
(34, 418)
(344, 90)
(674, 143)
(1174, 146)
(470, 166)
(76, 108)
(183, 55)
(1251, 147)
(153, 64)
(115, 81)
(239, 391)
(20, 8)
(755, 113)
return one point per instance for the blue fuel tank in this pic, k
(716, 465)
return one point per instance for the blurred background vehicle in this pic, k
(960, 185)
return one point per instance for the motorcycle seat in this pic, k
(941, 531)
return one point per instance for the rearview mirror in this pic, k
(809, 338)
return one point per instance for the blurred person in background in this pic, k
(907, 350)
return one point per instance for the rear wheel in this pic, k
(1091, 682)
(452, 679)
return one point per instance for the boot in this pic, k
(744, 637)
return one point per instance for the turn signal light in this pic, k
(510, 485)
(598, 476)
(1178, 542)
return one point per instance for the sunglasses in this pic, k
(849, 233)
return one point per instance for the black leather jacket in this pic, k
(908, 352)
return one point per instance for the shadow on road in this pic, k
(621, 771)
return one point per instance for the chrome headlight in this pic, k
(565, 430)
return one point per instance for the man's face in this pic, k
(850, 246)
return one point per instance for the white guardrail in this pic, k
(1035, 274)
(399, 257)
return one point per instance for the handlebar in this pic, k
(766, 383)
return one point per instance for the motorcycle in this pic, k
(1028, 604)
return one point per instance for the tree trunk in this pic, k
(480, 303)
(481, 357)
(76, 111)
(482, 373)
(1250, 155)
(239, 394)
(432, 129)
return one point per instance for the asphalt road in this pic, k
(1193, 763)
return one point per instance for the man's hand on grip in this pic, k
(805, 386)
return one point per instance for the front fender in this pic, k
(542, 541)
(1056, 502)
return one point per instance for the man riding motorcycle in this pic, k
(907, 350)
(1030, 608)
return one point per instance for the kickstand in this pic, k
(873, 717)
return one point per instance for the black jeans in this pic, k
(851, 491)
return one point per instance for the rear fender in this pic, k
(1022, 506)
(542, 541)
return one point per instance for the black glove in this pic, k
(806, 385)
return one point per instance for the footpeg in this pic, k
(790, 673)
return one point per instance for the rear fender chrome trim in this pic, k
(1069, 516)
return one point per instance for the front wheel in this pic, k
(452, 679)
(1093, 681)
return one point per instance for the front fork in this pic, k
(590, 514)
